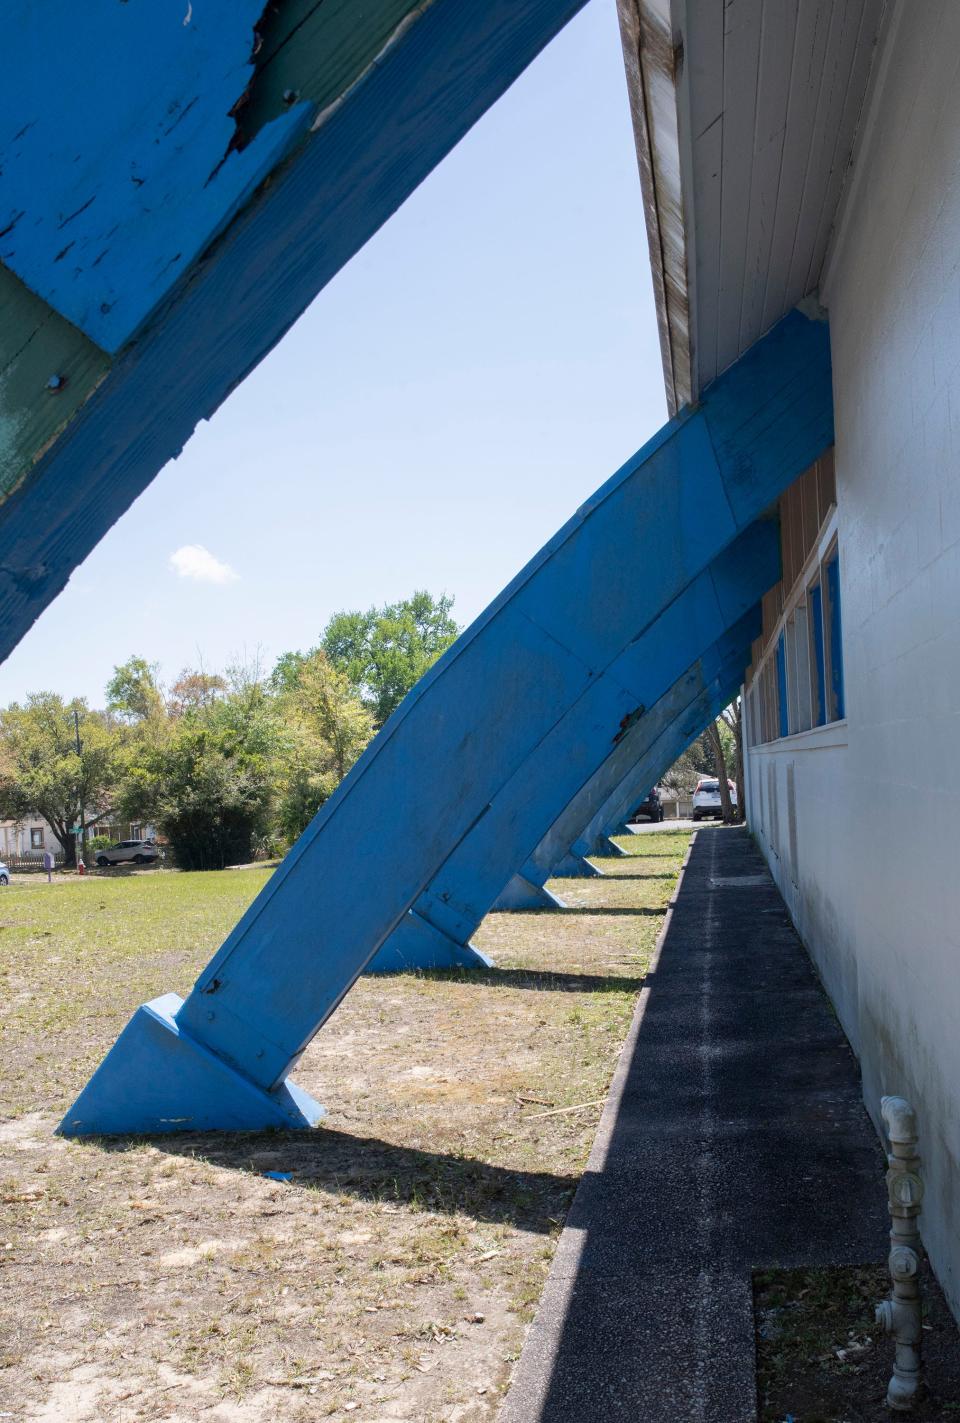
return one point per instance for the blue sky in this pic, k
(485, 362)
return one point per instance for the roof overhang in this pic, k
(745, 117)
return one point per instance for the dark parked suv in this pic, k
(650, 807)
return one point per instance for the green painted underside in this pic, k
(315, 50)
(36, 346)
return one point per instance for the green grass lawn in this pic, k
(394, 1274)
(79, 955)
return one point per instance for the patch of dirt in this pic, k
(393, 1275)
(822, 1359)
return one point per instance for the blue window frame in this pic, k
(816, 628)
(782, 686)
(832, 571)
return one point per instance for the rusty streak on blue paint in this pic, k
(433, 774)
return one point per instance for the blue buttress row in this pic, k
(551, 665)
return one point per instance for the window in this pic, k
(804, 698)
(783, 720)
(799, 685)
(36, 839)
(818, 677)
(831, 622)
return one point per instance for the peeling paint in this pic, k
(143, 143)
(630, 720)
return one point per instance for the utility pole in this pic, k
(81, 839)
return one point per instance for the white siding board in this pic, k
(777, 41)
(703, 60)
(838, 62)
(856, 85)
(707, 158)
(770, 100)
(813, 29)
(741, 61)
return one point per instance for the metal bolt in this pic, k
(56, 382)
(290, 96)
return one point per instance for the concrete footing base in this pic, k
(157, 1079)
(604, 845)
(576, 867)
(416, 943)
(522, 893)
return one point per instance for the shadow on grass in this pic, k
(632, 854)
(337, 1163)
(612, 874)
(642, 913)
(540, 980)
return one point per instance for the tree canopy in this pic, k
(385, 651)
(41, 771)
(222, 763)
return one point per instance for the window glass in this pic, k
(783, 724)
(815, 615)
(831, 571)
(804, 698)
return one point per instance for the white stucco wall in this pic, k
(874, 884)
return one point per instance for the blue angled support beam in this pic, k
(580, 755)
(470, 882)
(579, 829)
(559, 637)
(721, 666)
(675, 741)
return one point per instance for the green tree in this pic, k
(695, 762)
(41, 772)
(328, 728)
(208, 784)
(132, 692)
(385, 651)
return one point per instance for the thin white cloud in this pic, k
(196, 562)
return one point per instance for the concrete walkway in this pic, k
(734, 1138)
